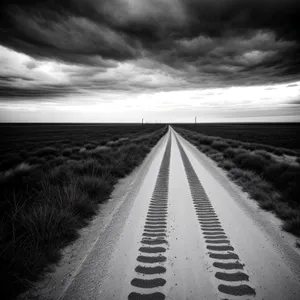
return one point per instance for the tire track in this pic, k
(150, 270)
(228, 268)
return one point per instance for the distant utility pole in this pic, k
(195, 120)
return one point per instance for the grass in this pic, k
(43, 207)
(45, 151)
(273, 183)
(28, 138)
(10, 161)
(276, 135)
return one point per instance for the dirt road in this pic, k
(186, 234)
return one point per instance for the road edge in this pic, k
(57, 281)
(266, 221)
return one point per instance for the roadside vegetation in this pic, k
(270, 175)
(49, 192)
(284, 135)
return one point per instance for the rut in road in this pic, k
(154, 243)
(227, 265)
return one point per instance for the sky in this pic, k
(161, 60)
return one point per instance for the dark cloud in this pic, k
(295, 101)
(10, 78)
(12, 92)
(200, 42)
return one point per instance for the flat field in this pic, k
(19, 141)
(285, 135)
(52, 179)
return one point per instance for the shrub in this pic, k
(67, 152)
(89, 146)
(263, 153)
(46, 151)
(56, 161)
(217, 156)
(60, 175)
(89, 167)
(226, 164)
(293, 225)
(74, 156)
(55, 201)
(233, 152)
(233, 143)
(290, 182)
(125, 139)
(237, 173)
(285, 212)
(75, 149)
(265, 203)
(32, 241)
(95, 187)
(85, 208)
(219, 145)
(99, 149)
(273, 172)
(251, 161)
(102, 142)
(112, 143)
(205, 140)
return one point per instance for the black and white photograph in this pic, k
(150, 150)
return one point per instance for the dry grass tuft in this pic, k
(43, 208)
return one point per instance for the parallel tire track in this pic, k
(154, 243)
(220, 251)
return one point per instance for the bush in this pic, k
(95, 187)
(46, 151)
(67, 152)
(89, 146)
(293, 225)
(205, 140)
(263, 153)
(32, 241)
(56, 199)
(99, 149)
(251, 162)
(226, 164)
(74, 156)
(56, 161)
(230, 153)
(219, 145)
(207, 149)
(285, 212)
(272, 171)
(60, 175)
(218, 156)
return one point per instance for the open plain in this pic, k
(181, 230)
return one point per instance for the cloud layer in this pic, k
(145, 45)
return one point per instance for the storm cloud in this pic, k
(148, 45)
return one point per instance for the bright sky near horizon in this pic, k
(167, 61)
